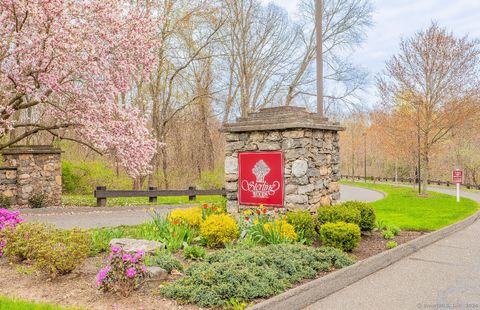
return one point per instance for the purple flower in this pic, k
(131, 272)
(126, 257)
(115, 249)
(143, 268)
(102, 274)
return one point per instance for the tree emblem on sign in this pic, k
(261, 170)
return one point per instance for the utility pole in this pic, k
(319, 36)
(365, 156)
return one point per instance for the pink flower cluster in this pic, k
(71, 60)
(124, 273)
(8, 219)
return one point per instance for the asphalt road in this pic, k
(88, 217)
(444, 275)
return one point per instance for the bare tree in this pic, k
(344, 28)
(434, 80)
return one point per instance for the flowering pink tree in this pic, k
(67, 60)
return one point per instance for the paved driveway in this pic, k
(88, 217)
(444, 275)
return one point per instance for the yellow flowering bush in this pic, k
(282, 228)
(219, 229)
(191, 216)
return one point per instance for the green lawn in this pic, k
(15, 304)
(89, 200)
(403, 207)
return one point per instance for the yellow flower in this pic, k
(248, 212)
(191, 216)
(255, 222)
(283, 228)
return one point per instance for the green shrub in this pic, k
(367, 214)
(333, 214)
(218, 230)
(341, 235)
(37, 200)
(70, 179)
(304, 224)
(391, 245)
(5, 202)
(272, 232)
(165, 260)
(194, 252)
(244, 274)
(394, 229)
(50, 249)
(387, 234)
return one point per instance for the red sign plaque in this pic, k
(457, 176)
(260, 179)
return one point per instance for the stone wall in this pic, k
(311, 155)
(37, 170)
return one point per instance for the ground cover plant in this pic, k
(405, 208)
(244, 274)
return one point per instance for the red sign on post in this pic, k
(457, 176)
(260, 179)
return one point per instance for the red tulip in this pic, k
(258, 212)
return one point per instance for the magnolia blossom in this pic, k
(69, 60)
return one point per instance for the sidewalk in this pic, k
(444, 275)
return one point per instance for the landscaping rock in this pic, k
(135, 245)
(157, 273)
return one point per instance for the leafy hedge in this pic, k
(246, 274)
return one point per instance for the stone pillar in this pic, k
(38, 170)
(310, 145)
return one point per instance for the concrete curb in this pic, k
(309, 293)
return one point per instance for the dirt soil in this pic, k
(78, 288)
(374, 243)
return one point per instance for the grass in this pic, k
(90, 201)
(405, 208)
(15, 304)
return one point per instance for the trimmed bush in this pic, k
(218, 230)
(340, 213)
(50, 249)
(244, 274)
(340, 235)
(304, 224)
(367, 214)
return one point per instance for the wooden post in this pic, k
(152, 199)
(192, 196)
(101, 201)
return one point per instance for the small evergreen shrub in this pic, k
(194, 252)
(246, 274)
(340, 235)
(367, 214)
(218, 230)
(333, 214)
(165, 260)
(391, 245)
(37, 200)
(304, 224)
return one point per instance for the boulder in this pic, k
(135, 245)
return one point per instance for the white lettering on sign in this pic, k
(260, 188)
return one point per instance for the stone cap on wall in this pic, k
(31, 149)
(281, 118)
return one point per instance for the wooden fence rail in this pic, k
(101, 193)
(407, 180)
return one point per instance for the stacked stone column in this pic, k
(311, 154)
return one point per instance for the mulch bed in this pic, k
(374, 243)
(78, 288)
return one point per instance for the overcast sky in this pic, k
(394, 19)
